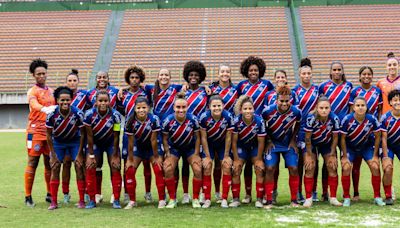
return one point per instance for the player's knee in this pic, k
(293, 171)
(270, 170)
(226, 167)
(67, 163)
(388, 170)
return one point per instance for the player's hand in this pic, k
(375, 162)
(259, 165)
(227, 161)
(120, 94)
(79, 160)
(115, 161)
(157, 160)
(207, 162)
(387, 163)
(90, 162)
(309, 161)
(270, 146)
(129, 163)
(185, 87)
(293, 145)
(237, 166)
(346, 164)
(332, 162)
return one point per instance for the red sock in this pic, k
(99, 180)
(388, 190)
(170, 183)
(236, 191)
(217, 179)
(308, 186)
(91, 183)
(376, 185)
(116, 181)
(356, 173)
(294, 186)
(196, 187)
(185, 184)
(346, 186)
(226, 183)
(29, 179)
(158, 173)
(248, 182)
(81, 189)
(269, 188)
(333, 183)
(276, 176)
(54, 190)
(47, 175)
(207, 187)
(260, 190)
(131, 183)
(147, 175)
(65, 187)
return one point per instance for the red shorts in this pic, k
(36, 147)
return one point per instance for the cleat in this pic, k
(53, 206)
(172, 204)
(81, 205)
(48, 198)
(130, 205)
(202, 199)
(116, 204)
(308, 203)
(67, 198)
(274, 197)
(224, 203)
(206, 204)
(346, 202)
(334, 202)
(259, 203)
(325, 197)
(126, 198)
(29, 201)
(98, 198)
(162, 204)
(379, 201)
(300, 197)
(186, 198)
(268, 205)
(389, 201)
(112, 199)
(315, 197)
(218, 198)
(86, 198)
(148, 198)
(196, 203)
(264, 201)
(294, 204)
(247, 199)
(235, 203)
(91, 205)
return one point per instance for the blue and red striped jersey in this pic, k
(256, 91)
(65, 128)
(247, 134)
(228, 95)
(216, 129)
(322, 131)
(307, 98)
(181, 134)
(197, 101)
(373, 97)
(91, 96)
(359, 134)
(143, 130)
(339, 96)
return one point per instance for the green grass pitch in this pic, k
(16, 214)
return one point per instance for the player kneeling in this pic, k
(216, 130)
(357, 140)
(390, 123)
(181, 137)
(283, 123)
(65, 137)
(142, 129)
(103, 127)
(247, 144)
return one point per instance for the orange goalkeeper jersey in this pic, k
(38, 98)
(386, 85)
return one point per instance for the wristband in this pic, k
(91, 155)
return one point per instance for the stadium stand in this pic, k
(156, 38)
(355, 35)
(58, 37)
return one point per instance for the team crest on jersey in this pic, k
(261, 88)
(36, 147)
(240, 150)
(310, 120)
(269, 157)
(346, 89)
(223, 125)
(329, 127)
(230, 93)
(367, 128)
(108, 124)
(253, 129)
